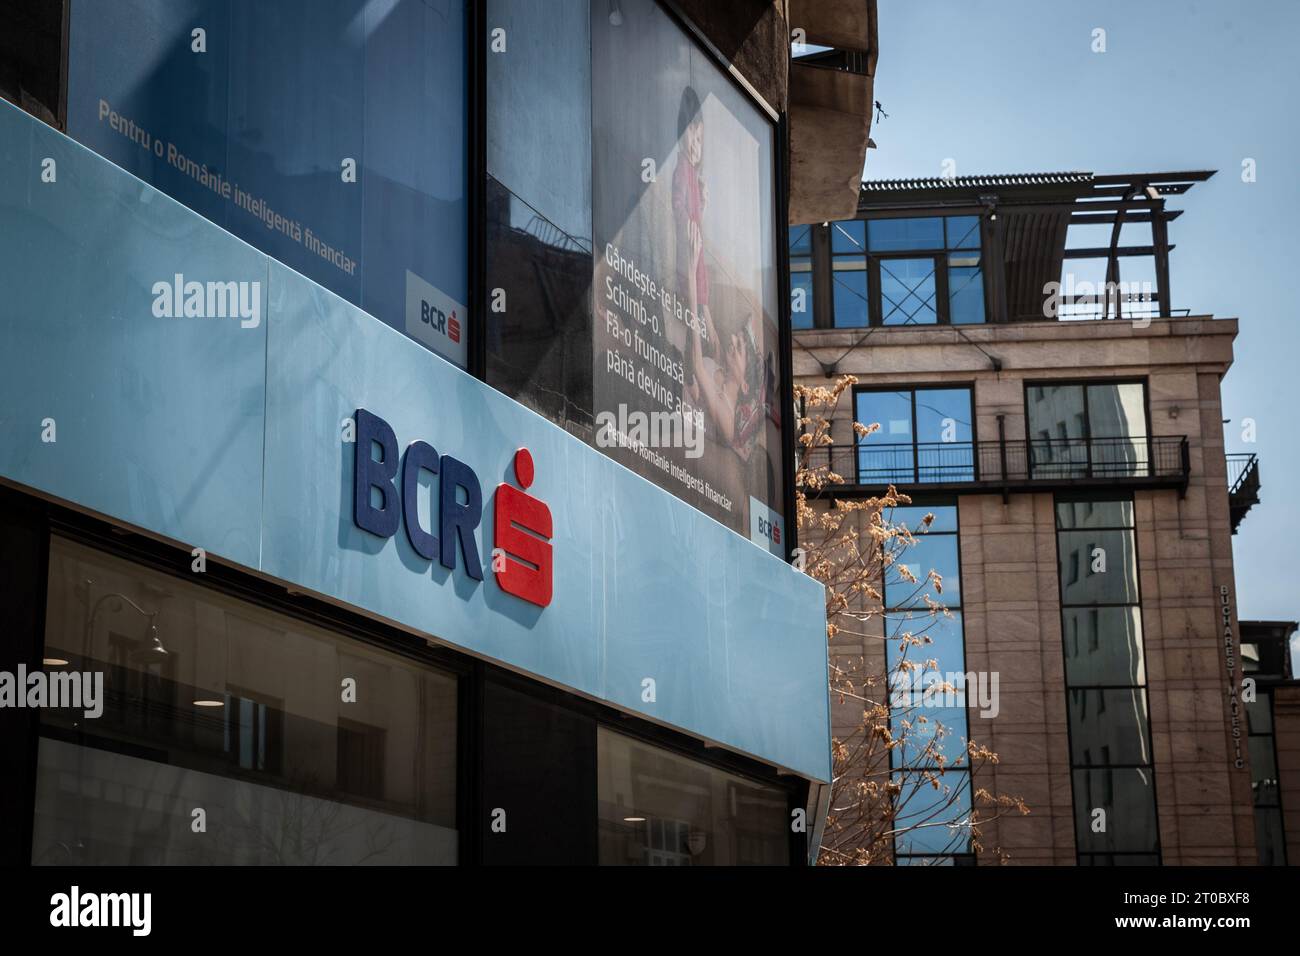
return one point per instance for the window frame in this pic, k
(1085, 382)
(965, 857)
(1075, 768)
(966, 384)
(824, 258)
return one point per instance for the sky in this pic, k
(1007, 86)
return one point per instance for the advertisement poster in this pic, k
(687, 366)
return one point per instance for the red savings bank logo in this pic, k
(439, 320)
(522, 559)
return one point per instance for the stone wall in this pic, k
(1009, 570)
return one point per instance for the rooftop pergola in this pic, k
(1026, 220)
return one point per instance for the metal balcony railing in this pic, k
(1005, 463)
(1243, 486)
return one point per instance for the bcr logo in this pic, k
(522, 532)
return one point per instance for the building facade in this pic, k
(320, 547)
(1064, 424)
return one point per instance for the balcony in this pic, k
(1009, 465)
(1243, 486)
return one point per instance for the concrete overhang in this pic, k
(830, 108)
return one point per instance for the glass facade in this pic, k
(330, 136)
(849, 282)
(1087, 429)
(631, 268)
(539, 231)
(660, 809)
(219, 706)
(926, 435)
(923, 271)
(802, 305)
(926, 663)
(1111, 755)
(232, 733)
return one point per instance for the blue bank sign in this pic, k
(644, 586)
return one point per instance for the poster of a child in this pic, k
(682, 181)
(722, 377)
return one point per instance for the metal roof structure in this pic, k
(1029, 215)
(991, 181)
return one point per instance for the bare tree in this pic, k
(898, 773)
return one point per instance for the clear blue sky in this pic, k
(1005, 86)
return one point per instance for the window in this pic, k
(538, 205)
(849, 274)
(923, 271)
(1270, 832)
(211, 702)
(928, 710)
(1090, 429)
(925, 435)
(907, 292)
(1105, 678)
(657, 808)
(801, 277)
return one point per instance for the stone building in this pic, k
(1065, 427)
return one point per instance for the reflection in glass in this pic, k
(848, 236)
(1088, 429)
(660, 809)
(937, 818)
(887, 454)
(943, 435)
(215, 703)
(931, 552)
(290, 89)
(801, 240)
(907, 292)
(1103, 646)
(963, 232)
(1126, 795)
(849, 298)
(1118, 427)
(1098, 567)
(1263, 770)
(1102, 642)
(1057, 431)
(939, 727)
(539, 350)
(1108, 726)
(1259, 713)
(906, 235)
(940, 636)
(965, 291)
(912, 517)
(1094, 513)
(943, 450)
(1270, 836)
